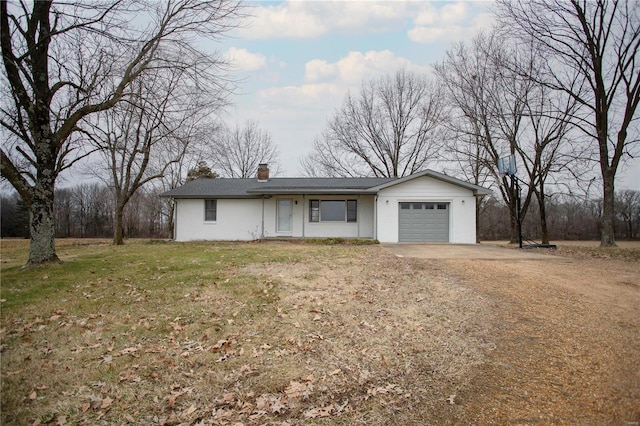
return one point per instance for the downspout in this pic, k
(303, 215)
(175, 220)
(262, 232)
(375, 217)
(358, 215)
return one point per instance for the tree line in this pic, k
(86, 211)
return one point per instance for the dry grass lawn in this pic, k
(261, 333)
(279, 333)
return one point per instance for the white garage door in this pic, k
(424, 222)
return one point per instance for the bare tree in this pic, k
(591, 49)
(501, 112)
(628, 209)
(92, 210)
(390, 129)
(151, 129)
(177, 173)
(545, 145)
(238, 151)
(66, 62)
(487, 117)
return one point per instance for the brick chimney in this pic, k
(263, 172)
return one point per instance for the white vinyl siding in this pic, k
(454, 201)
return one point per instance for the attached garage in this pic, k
(427, 207)
(423, 222)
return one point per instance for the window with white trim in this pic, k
(333, 210)
(210, 210)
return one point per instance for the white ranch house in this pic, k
(424, 207)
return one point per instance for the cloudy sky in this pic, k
(298, 59)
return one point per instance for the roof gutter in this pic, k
(323, 191)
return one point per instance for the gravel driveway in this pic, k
(464, 251)
(566, 333)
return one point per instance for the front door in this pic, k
(284, 211)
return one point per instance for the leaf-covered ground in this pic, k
(225, 334)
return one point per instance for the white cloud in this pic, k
(326, 84)
(451, 22)
(287, 20)
(453, 13)
(296, 114)
(431, 35)
(432, 21)
(243, 60)
(305, 19)
(428, 15)
(318, 69)
(357, 66)
(298, 99)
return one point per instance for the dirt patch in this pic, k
(398, 339)
(567, 335)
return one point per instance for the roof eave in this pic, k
(209, 196)
(477, 190)
(320, 191)
(482, 191)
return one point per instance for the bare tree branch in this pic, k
(65, 62)
(237, 152)
(591, 49)
(392, 128)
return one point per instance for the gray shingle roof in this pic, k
(251, 188)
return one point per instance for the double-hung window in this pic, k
(333, 211)
(210, 210)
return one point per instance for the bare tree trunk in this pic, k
(595, 46)
(607, 233)
(171, 224)
(41, 225)
(118, 227)
(513, 222)
(543, 217)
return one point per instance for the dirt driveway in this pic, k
(463, 251)
(567, 335)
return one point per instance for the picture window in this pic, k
(333, 210)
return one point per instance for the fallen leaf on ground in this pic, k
(106, 403)
(189, 411)
(318, 412)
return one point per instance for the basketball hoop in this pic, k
(507, 166)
